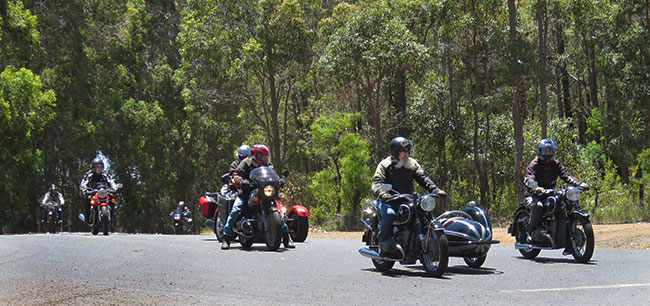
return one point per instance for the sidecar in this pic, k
(469, 233)
(297, 219)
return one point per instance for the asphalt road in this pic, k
(78, 268)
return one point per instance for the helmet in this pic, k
(261, 154)
(96, 163)
(243, 151)
(53, 188)
(546, 149)
(181, 203)
(399, 143)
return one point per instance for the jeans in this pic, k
(233, 217)
(387, 214)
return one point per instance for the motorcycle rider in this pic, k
(243, 152)
(259, 157)
(398, 169)
(544, 169)
(52, 195)
(90, 181)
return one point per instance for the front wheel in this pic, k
(435, 252)
(300, 228)
(475, 262)
(105, 224)
(218, 229)
(273, 234)
(582, 239)
(52, 224)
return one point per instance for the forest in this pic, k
(166, 91)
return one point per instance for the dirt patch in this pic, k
(620, 236)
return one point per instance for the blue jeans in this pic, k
(234, 216)
(387, 214)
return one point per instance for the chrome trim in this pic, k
(375, 255)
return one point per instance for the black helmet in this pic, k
(97, 162)
(546, 149)
(399, 143)
(244, 151)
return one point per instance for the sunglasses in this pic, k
(405, 150)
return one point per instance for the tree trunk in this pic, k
(517, 105)
(541, 26)
(275, 105)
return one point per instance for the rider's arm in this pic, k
(61, 200)
(564, 174)
(379, 179)
(423, 180)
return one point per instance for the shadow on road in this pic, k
(548, 260)
(399, 273)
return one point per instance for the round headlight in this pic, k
(428, 203)
(269, 190)
(573, 194)
(102, 193)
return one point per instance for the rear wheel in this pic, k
(383, 265)
(273, 234)
(300, 227)
(522, 218)
(435, 253)
(582, 239)
(475, 262)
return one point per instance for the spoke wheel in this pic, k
(435, 253)
(582, 240)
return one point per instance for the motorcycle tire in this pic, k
(519, 230)
(383, 265)
(582, 240)
(436, 258)
(176, 230)
(95, 230)
(105, 224)
(300, 228)
(475, 262)
(218, 229)
(52, 224)
(273, 234)
(246, 243)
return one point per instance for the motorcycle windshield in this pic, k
(264, 175)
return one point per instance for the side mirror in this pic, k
(118, 185)
(532, 184)
(225, 178)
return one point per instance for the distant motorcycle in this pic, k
(52, 220)
(419, 234)
(101, 216)
(566, 223)
(181, 221)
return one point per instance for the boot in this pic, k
(226, 242)
(386, 248)
(288, 243)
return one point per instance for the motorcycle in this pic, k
(181, 221)
(101, 214)
(419, 234)
(262, 216)
(216, 206)
(566, 223)
(52, 220)
(469, 234)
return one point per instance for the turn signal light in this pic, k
(92, 202)
(255, 199)
(113, 201)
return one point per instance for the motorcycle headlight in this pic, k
(102, 193)
(428, 203)
(177, 217)
(573, 194)
(269, 190)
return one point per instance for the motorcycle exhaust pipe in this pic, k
(374, 255)
(524, 246)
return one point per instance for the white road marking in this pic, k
(576, 288)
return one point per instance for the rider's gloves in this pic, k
(384, 196)
(539, 190)
(584, 186)
(441, 193)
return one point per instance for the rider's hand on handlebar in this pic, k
(584, 186)
(539, 190)
(441, 193)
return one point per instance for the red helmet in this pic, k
(260, 154)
